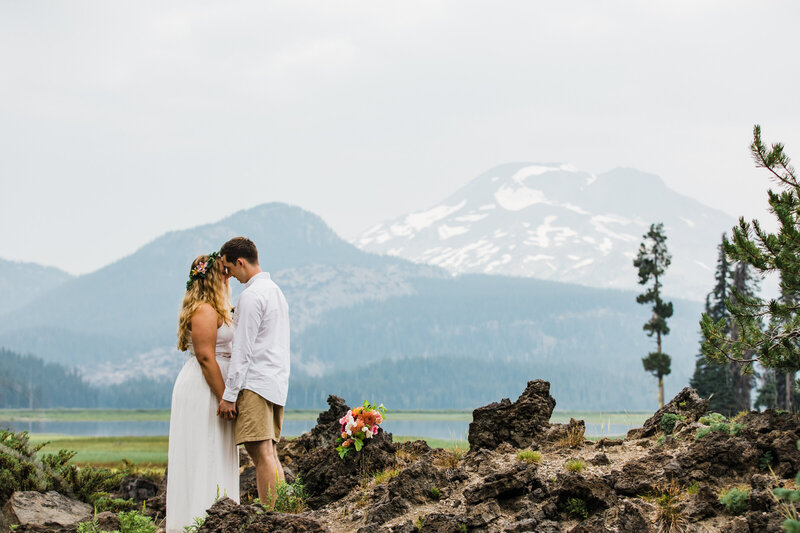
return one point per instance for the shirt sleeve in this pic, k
(244, 336)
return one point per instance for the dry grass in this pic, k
(666, 497)
(573, 438)
(385, 475)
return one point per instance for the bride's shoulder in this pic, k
(204, 312)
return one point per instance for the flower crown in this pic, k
(201, 269)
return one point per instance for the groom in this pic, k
(258, 375)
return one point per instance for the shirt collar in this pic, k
(260, 275)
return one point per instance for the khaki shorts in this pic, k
(257, 419)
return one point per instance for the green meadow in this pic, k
(152, 451)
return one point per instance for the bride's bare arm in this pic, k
(204, 340)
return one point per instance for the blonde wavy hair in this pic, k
(210, 289)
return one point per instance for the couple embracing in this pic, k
(232, 389)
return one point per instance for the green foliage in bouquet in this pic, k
(358, 425)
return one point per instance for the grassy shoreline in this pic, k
(634, 418)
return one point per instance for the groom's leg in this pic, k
(265, 460)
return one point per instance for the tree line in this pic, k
(746, 341)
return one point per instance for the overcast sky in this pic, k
(121, 121)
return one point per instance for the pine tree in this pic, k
(776, 345)
(652, 261)
(713, 379)
(744, 285)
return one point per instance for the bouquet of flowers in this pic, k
(358, 425)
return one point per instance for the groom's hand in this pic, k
(226, 410)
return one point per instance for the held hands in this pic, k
(226, 410)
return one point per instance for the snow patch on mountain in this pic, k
(556, 222)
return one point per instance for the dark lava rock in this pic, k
(324, 433)
(137, 489)
(719, 454)
(328, 478)
(412, 486)
(631, 517)
(518, 423)
(226, 515)
(514, 481)
(777, 433)
(704, 504)
(640, 476)
(687, 403)
(594, 491)
(600, 459)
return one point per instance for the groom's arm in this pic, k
(244, 337)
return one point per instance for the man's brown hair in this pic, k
(240, 247)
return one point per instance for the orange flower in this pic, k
(347, 443)
(344, 435)
(356, 411)
(359, 426)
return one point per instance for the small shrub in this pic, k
(660, 440)
(102, 502)
(385, 475)
(195, 526)
(529, 456)
(436, 494)
(736, 428)
(462, 528)
(693, 488)
(419, 523)
(573, 437)
(787, 500)
(711, 418)
(291, 498)
(89, 527)
(702, 432)
(135, 522)
(765, 461)
(576, 508)
(668, 421)
(734, 500)
(575, 465)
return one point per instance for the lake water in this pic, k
(447, 429)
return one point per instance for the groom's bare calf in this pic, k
(268, 469)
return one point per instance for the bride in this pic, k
(203, 461)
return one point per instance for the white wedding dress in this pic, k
(203, 460)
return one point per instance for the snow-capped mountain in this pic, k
(555, 222)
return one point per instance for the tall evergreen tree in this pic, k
(652, 261)
(776, 345)
(712, 379)
(743, 285)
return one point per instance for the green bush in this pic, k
(529, 456)
(436, 494)
(129, 522)
(668, 421)
(291, 497)
(734, 500)
(711, 418)
(21, 469)
(576, 508)
(788, 499)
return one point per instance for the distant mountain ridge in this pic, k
(555, 222)
(356, 315)
(21, 283)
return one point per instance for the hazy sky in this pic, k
(121, 121)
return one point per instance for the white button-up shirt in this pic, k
(260, 357)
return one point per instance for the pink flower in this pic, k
(374, 430)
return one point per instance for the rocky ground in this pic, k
(523, 473)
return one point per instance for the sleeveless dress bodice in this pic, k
(224, 342)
